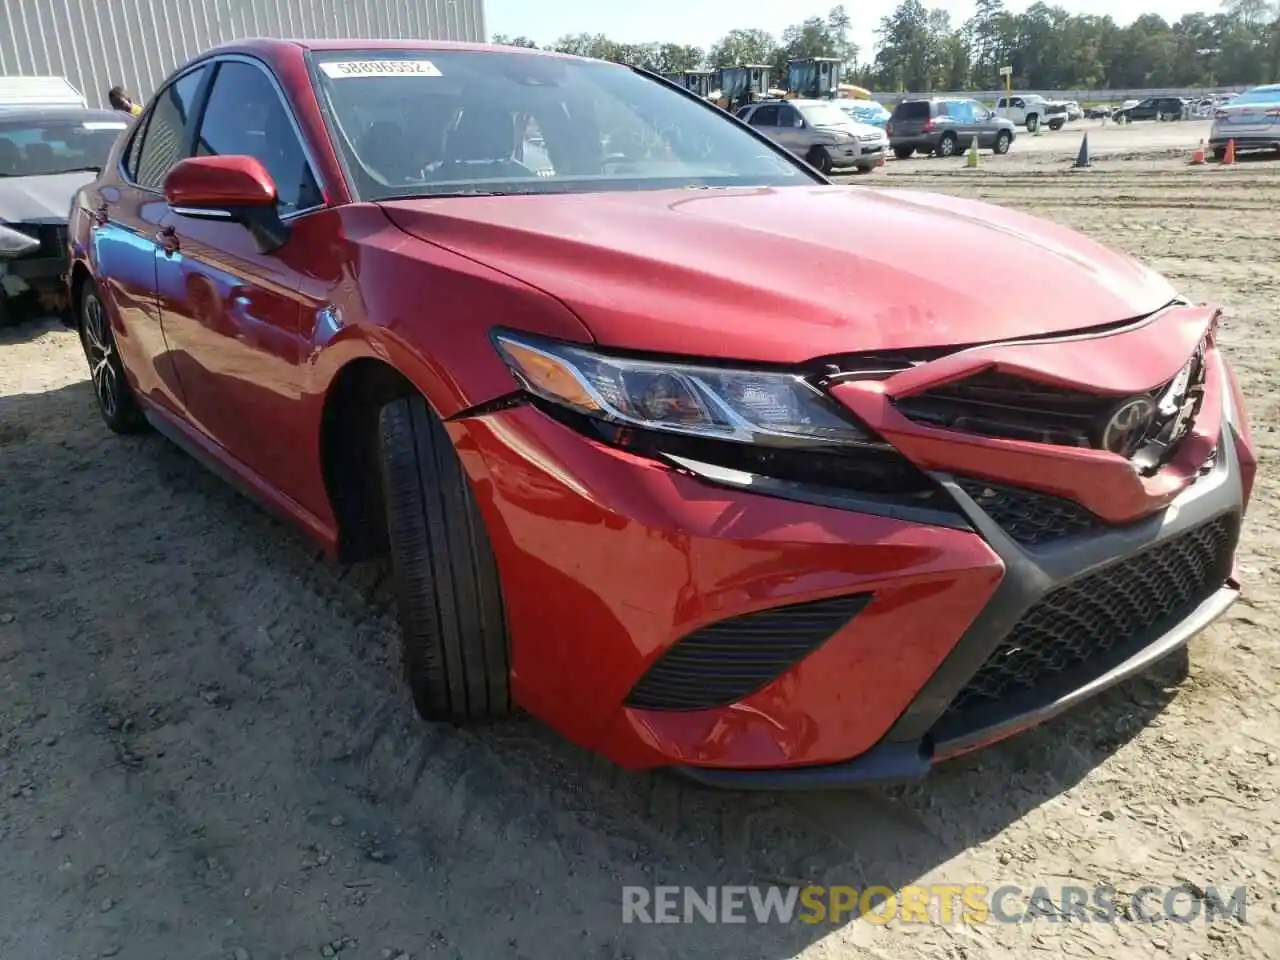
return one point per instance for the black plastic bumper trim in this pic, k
(916, 741)
(818, 496)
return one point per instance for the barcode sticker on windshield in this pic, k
(340, 69)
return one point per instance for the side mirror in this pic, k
(798, 122)
(235, 189)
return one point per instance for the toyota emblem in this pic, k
(1127, 425)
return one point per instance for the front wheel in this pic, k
(1057, 124)
(947, 145)
(454, 647)
(820, 160)
(116, 402)
(903, 153)
(1033, 123)
(1001, 146)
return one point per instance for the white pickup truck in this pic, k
(1030, 110)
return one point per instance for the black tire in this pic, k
(116, 402)
(1003, 140)
(6, 312)
(454, 647)
(946, 145)
(1219, 153)
(820, 160)
(903, 153)
(1057, 124)
(1033, 123)
(866, 167)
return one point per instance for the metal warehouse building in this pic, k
(96, 44)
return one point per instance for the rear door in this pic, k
(126, 219)
(234, 315)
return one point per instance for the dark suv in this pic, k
(1154, 108)
(946, 127)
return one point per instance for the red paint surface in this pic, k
(605, 559)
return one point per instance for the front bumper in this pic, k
(856, 154)
(609, 561)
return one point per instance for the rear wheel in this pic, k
(116, 402)
(903, 153)
(947, 145)
(454, 646)
(820, 160)
(1002, 142)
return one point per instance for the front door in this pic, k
(232, 314)
(127, 215)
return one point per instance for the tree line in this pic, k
(920, 49)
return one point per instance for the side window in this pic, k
(764, 117)
(244, 116)
(1018, 103)
(788, 116)
(944, 108)
(160, 145)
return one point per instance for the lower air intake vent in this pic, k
(726, 661)
(1026, 516)
(1087, 618)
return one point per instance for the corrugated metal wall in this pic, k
(97, 44)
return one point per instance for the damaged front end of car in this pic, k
(33, 263)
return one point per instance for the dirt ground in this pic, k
(205, 751)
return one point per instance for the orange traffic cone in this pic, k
(1230, 155)
(1197, 155)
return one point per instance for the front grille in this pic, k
(1029, 517)
(999, 405)
(1107, 609)
(724, 662)
(995, 404)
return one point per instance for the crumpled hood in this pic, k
(40, 198)
(789, 274)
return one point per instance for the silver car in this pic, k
(1252, 120)
(820, 132)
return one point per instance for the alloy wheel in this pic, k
(99, 348)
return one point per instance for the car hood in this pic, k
(40, 198)
(789, 274)
(853, 128)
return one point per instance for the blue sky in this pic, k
(701, 22)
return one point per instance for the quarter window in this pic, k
(162, 142)
(245, 116)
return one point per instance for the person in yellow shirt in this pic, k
(120, 100)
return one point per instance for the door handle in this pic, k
(167, 240)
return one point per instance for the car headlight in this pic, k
(14, 244)
(761, 407)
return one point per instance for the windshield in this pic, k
(449, 123)
(824, 114)
(35, 148)
(1258, 95)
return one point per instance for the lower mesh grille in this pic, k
(1088, 617)
(726, 661)
(1027, 516)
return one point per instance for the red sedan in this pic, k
(707, 462)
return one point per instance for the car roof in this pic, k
(280, 44)
(27, 114)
